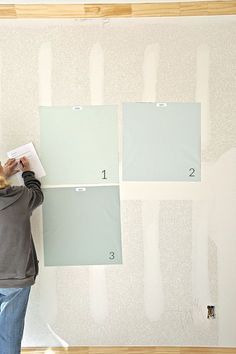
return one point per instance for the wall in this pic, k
(178, 238)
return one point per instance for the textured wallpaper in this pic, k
(178, 237)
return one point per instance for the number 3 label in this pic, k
(112, 255)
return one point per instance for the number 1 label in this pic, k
(104, 174)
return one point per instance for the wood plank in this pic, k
(131, 350)
(192, 350)
(198, 8)
(156, 10)
(50, 11)
(217, 7)
(188, 9)
(7, 11)
(108, 10)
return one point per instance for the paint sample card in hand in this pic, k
(30, 153)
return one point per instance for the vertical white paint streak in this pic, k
(45, 69)
(202, 91)
(224, 228)
(1, 85)
(150, 67)
(200, 211)
(200, 276)
(97, 277)
(47, 277)
(96, 74)
(98, 293)
(0, 81)
(153, 287)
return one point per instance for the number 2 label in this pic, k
(192, 172)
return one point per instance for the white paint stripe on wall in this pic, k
(96, 74)
(47, 275)
(45, 70)
(202, 91)
(98, 300)
(0, 82)
(224, 230)
(150, 68)
(153, 288)
(200, 276)
(1, 85)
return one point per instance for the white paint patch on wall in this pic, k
(200, 276)
(224, 226)
(1, 140)
(96, 74)
(98, 301)
(150, 69)
(45, 69)
(47, 277)
(153, 288)
(202, 91)
(0, 81)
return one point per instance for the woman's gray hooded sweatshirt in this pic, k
(18, 259)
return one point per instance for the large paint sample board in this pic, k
(161, 142)
(82, 226)
(79, 144)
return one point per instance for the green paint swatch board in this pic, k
(161, 142)
(82, 226)
(79, 146)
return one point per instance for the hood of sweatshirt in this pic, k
(10, 195)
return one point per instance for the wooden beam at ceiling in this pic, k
(131, 350)
(125, 10)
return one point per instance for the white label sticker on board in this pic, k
(161, 104)
(80, 189)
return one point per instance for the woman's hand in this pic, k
(24, 164)
(10, 168)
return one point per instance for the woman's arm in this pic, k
(32, 183)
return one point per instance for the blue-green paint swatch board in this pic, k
(161, 142)
(81, 226)
(79, 145)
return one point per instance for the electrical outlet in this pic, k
(211, 311)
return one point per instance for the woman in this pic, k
(18, 259)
